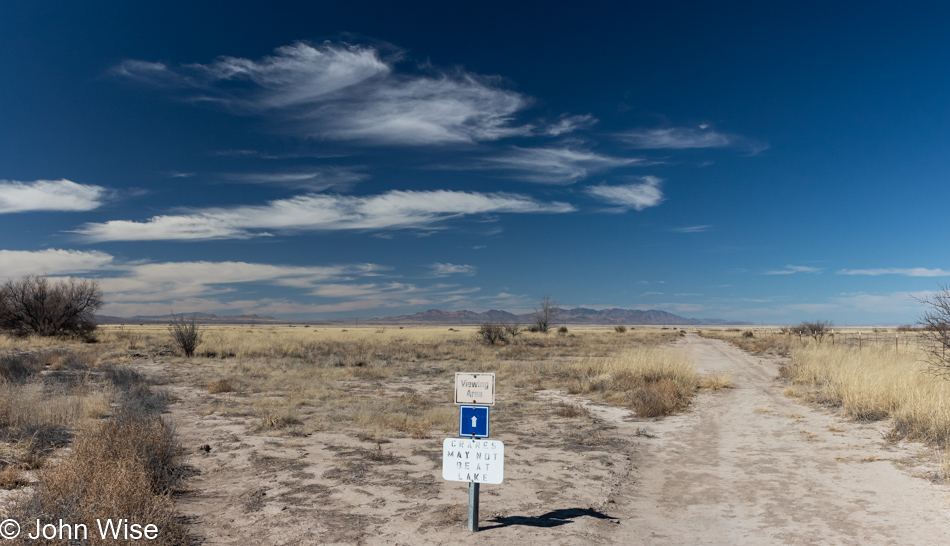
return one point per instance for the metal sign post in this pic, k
(473, 506)
(472, 458)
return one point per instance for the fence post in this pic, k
(859, 341)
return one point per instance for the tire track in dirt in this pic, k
(749, 466)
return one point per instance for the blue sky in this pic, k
(769, 162)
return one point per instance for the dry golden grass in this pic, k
(12, 477)
(875, 383)
(120, 468)
(715, 382)
(571, 410)
(56, 393)
(652, 381)
(763, 341)
(355, 347)
(221, 385)
(302, 380)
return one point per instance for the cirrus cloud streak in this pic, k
(318, 212)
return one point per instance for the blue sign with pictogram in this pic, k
(473, 421)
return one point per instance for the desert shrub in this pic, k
(221, 385)
(748, 333)
(571, 410)
(12, 478)
(562, 330)
(816, 329)
(134, 395)
(935, 323)
(125, 467)
(513, 329)
(653, 382)
(491, 333)
(658, 398)
(620, 328)
(17, 367)
(186, 334)
(44, 307)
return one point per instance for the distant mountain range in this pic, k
(203, 318)
(580, 315)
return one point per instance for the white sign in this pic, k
(478, 461)
(475, 388)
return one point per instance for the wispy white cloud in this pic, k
(392, 210)
(680, 138)
(639, 196)
(568, 124)
(348, 92)
(792, 269)
(909, 272)
(555, 164)
(49, 195)
(691, 229)
(18, 263)
(313, 179)
(446, 269)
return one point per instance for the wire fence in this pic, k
(855, 339)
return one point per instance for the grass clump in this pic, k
(220, 386)
(12, 477)
(124, 467)
(716, 382)
(651, 381)
(571, 410)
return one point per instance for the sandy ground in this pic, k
(744, 466)
(755, 467)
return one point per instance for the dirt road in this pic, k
(750, 466)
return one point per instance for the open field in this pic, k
(292, 435)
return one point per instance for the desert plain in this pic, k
(293, 435)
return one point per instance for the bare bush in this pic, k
(620, 328)
(513, 329)
(186, 334)
(816, 329)
(935, 323)
(545, 316)
(491, 333)
(61, 307)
